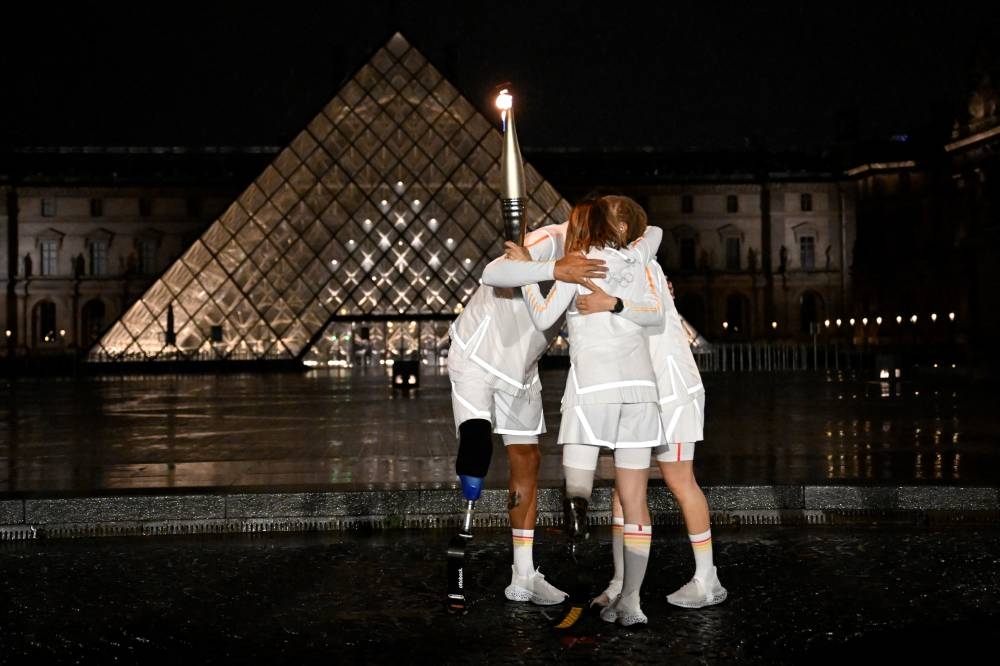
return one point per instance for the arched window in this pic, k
(43, 323)
(738, 315)
(92, 321)
(692, 308)
(810, 311)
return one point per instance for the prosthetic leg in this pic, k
(475, 450)
(577, 532)
(579, 487)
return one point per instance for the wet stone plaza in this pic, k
(303, 518)
(350, 430)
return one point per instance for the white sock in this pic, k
(701, 544)
(637, 541)
(524, 541)
(618, 548)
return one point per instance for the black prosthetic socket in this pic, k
(475, 448)
(575, 518)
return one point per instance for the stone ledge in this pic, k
(730, 505)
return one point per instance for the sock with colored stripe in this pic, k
(618, 549)
(637, 540)
(701, 544)
(524, 540)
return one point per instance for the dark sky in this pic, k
(591, 74)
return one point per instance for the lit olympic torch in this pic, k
(512, 167)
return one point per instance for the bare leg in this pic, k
(704, 588)
(637, 535)
(630, 487)
(527, 584)
(679, 477)
(522, 505)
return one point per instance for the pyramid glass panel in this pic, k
(359, 243)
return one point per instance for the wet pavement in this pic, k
(797, 595)
(344, 431)
(849, 517)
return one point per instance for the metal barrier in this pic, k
(782, 357)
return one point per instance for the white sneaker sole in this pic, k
(521, 594)
(711, 600)
(625, 619)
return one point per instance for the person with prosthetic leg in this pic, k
(682, 407)
(610, 400)
(493, 367)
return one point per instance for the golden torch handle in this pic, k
(512, 201)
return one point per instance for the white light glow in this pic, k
(504, 100)
(933, 316)
(878, 320)
(367, 224)
(852, 321)
(838, 322)
(774, 324)
(416, 243)
(432, 224)
(913, 319)
(864, 321)
(725, 324)
(826, 323)
(899, 319)
(951, 316)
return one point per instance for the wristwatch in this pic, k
(619, 305)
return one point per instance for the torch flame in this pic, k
(504, 100)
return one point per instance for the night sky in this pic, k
(620, 74)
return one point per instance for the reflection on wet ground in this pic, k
(344, 430)
(796, 596)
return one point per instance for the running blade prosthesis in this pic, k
(577, 533)
(456, 563)
(456, 574)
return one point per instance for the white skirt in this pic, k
(615, 425)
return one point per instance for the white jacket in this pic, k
(677, 376)
(495, 331)
(609, 356)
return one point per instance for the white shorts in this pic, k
(684, 422)
(518, 419)
(632, 425)
(674, 452)
(584, 457)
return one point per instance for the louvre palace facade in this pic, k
(360, 240)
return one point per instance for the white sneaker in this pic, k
(625, 611)
(698, 593)
(533, 588)
(609, 595)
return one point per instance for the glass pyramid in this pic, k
(359, 242)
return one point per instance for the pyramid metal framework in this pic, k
(364, 236)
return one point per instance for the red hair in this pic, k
(591, 225)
